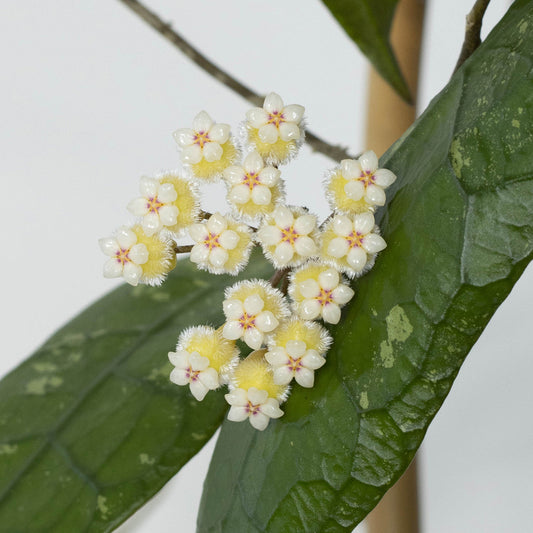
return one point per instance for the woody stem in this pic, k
(278, 276)
(183, 249)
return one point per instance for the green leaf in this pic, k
(460, 232)
(368, 24)
(90, 426)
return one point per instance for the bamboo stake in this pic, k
(388, 118)
(388, 115)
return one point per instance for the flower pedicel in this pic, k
(278, 320)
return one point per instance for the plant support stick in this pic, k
(388, 118)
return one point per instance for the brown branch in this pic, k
(183, 249)
(474, 20)
(278, 276)
(326, 220)
(285, 284)
(336, 153)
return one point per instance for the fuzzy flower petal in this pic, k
(253, 188)
(203, 356)
(296, 350)
(273, 103)
(359, 185)
(317, 290)
(253, 393)
(166, 202)
(275, 131)
(350, 243)
(289, 236)
(137, 257)
(207, 148)
(253, 309)
(222, 246)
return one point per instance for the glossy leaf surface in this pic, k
(459, 228)
(368, 24)
(90, 426)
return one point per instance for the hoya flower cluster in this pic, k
(278, 323)
(145, 252)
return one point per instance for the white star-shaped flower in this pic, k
(274, 130)
(155, 206)
(193, 369)
(274, 120)
(366, 179)
(204, 359)
(352, 243)
(358, 184)
(138, 257)
(203, 141)
(222, 245)
(294, 360)
(126, 256)
(318, 291)
(248, 320)
(253, 309)
(253, 187)
(252, 404)
(288, 236)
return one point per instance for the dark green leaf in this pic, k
(90, 426)
(460, 232)
(368, 24)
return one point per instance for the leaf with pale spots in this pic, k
(459, 229)
(91, 426)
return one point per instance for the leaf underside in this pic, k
(368, 25)
(459, 230)
(90, 426)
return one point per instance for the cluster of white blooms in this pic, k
(145, 252)
(277, 320)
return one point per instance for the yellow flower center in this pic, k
(276, 118)
(324, 297)
(212, 241)
(251, 179)
(247, 321)
(191, 374)
(201, 138)
(295, 364)
(367, 177)
(252, 409)
(154, 205)
(289, 235)
(355, 239)
(122, 256)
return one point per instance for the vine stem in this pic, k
(337, 153)
(472, 40)
(387, 119)
(183, 249)
(278, 276)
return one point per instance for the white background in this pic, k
(89, 97)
